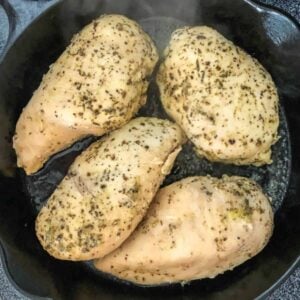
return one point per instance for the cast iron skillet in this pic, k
(266, 34)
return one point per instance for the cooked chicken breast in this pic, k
(224, 100)
(95, 86)
(108, 189)
(195, 228)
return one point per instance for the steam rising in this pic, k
(158, 18)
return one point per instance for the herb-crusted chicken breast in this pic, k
(195, 228)
(224, 100)
(108, 189)
(95, 86)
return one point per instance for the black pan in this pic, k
(266, 34)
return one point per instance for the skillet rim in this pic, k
(260, 8)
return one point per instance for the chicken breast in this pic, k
(95, 86)
(195, 228)
(108, 189)
(224, 100)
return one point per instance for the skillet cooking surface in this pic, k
(41, 44)
(273, 178)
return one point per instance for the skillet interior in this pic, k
(20, 74)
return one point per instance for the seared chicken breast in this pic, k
(224, 99)
(108, 189)
(95, 86)
(195, 228)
